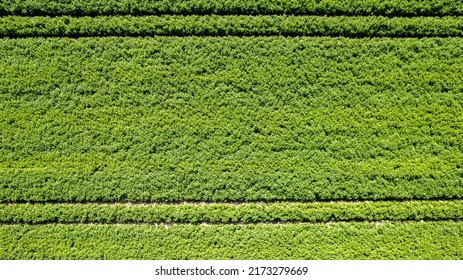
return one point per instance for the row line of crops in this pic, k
(239, 25)
(388, 240)
(232, 7)
(230, 213)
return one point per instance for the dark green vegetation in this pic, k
(231, 25)
(231, 130)
(409, 240)
(229, 213)
(232, 7)
(241, 119)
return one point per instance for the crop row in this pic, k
(213, 25)
(130, 185)
(229, 213)
(248, 119)
(229, 7)
(409, 240)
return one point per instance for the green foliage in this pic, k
(229, 213)
(213, 25)
(232, 7)
(277, 121)
(240, 119)
(408, 240)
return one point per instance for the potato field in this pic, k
(220, 129)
